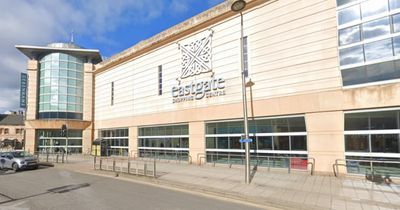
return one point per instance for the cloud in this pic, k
(41, 22)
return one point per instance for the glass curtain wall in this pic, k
(60, 87)
(272, 138)
(115, 141)
(372, 136)
(369, 40)
(51, 141)
(164, 142)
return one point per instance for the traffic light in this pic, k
(63, 130)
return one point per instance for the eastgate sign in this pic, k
(198, 90)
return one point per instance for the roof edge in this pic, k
(198, 22)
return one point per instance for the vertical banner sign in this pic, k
(22, 93)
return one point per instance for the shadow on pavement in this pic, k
(62, 189)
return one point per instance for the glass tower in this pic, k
(60, 86)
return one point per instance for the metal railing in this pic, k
(165, 155)
(126, 165)
(51, 157)
(371, 167)
(291, 163)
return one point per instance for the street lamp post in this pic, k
(238, 6)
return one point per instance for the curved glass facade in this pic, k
(60, 87)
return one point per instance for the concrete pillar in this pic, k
(325, 139)
(87, 139)
(133, 141)
(32, 91)
(30, 140)
(197, 142)
(88, 92)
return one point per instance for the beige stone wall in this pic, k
(325, 139)
(133, 141)
(88, 92)
(32, 89)
(30, 143)
(197, 143)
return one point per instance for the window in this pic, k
(373, 7)
(376, 28)
(349, 14)
(378, 50)
(6, 131)
(160, 80)
(245, 57)
(352, 55)
(376, 132)
(112, 93)
(359, 23)
(349, 35)
(116, 141)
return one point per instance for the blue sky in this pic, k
(108, 25)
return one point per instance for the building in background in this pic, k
(11, 130)
(59, 93)
(324, 85)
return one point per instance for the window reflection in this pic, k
(349, 14)
(396, 23)
(343, 2)
(379, 49)
(351, 55)
(373, 7)
(349, 35)
(376, 28)
(394, 4)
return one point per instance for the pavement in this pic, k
(275, 188)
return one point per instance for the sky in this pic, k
(108, 25)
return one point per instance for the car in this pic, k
(17, 160)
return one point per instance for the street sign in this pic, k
(245, 140)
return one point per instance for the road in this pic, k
(53, 188)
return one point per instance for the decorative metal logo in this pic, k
(196, 55)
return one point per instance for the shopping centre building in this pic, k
(322, 82)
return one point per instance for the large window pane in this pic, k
(356, 143)
(349, 35)
(376, 28)
(349, 14)
(222, 143)
(394, 4)
(396, 23)
(354, 76)
(380, 71)
(373, 7)
(352, 55)
(235, 143)
(384, 120)
(356, 121)
(378, 50)
(264, 142)
(343, 2)
(297, 124)
(281, 142)
(210, 143)
(385, 143)
(298, 143)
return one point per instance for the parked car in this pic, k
(17, 160)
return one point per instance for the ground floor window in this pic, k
(52, 141)
(277, 142)
(165, 142)
(115, 142)
(372, 142)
